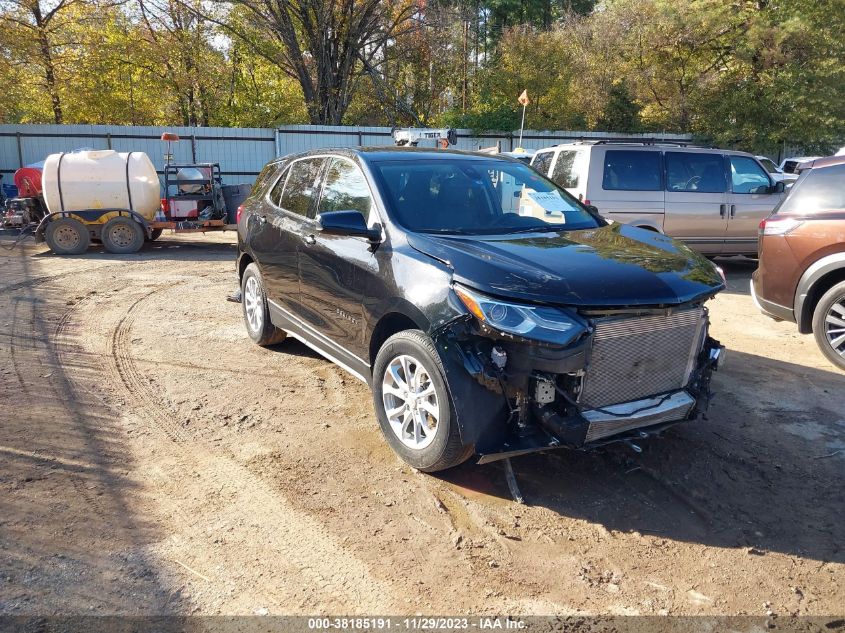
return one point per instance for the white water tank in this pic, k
(101, 179)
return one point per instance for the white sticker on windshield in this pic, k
(550, 201)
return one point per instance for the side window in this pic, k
(701, 173)
(276, 193)
(301, 186)
(542, 161)
(345, 189)
(564, 174)
(747, 176)
(625, 170)
(265, 178)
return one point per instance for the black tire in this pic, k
(122, 235)
(260, 329)
(446, 450)
(830, 306)
(155, 234)
(67, 236)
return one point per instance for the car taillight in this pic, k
(238, 214)
(778, 226)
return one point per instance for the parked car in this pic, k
(789, 165)
(489, 312)
(711, 199)
(776, 173)
(801, 276)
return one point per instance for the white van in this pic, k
(711, 199)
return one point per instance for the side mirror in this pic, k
(349, 223)
(593, 209)
(778, 187)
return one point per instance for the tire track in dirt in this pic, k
(35, 281)
(298, 540)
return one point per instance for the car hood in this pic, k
(611, 266)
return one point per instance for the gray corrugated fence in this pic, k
(241, 152)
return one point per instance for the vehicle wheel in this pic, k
(413, 405)
(256, 313)
(829, 324)
(67, 236)
(122, 235)
(155, 234)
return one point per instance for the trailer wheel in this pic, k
(67, 236)
(155, 234)
(122, 235)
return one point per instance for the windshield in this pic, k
(477, 197)
(769, 165)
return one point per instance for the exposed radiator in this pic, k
(635, 357)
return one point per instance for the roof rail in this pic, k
(639, 141)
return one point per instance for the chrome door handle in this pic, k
(309, 239)
(733, 210)
(722, 210)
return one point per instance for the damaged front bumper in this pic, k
(524, 396)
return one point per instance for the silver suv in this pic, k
(712, 199)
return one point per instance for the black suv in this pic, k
(489, 311)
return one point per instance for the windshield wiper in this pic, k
(536, 229)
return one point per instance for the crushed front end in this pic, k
(610, 375)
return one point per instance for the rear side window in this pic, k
(820, 190)
(276, 193)
(542, 161)
(345, 189)
(564, 174)
(625, 170)
(264, 179)
(747, 176)
(301, 186)
(695, 172)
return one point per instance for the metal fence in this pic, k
(242, 152)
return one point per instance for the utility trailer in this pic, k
(101, 195)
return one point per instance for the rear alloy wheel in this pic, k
(122, 235)
(67, 236)
(829, 325)
(413, 405)
(256, 312)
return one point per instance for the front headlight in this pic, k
(542, 323)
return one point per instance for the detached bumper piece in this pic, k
(636, 415)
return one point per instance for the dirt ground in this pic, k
(154, 461)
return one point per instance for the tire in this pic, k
(155, 234)
(122, 235)
(67, 236)
(255, 310)
(829, 325)
(426, 442)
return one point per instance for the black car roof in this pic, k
(383, 153)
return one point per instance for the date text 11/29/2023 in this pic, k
(418, 623)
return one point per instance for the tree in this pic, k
(326, 45)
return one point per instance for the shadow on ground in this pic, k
(764, 472)
(72, 536)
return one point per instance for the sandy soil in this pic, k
(153, 460)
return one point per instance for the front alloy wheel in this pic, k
(410, 402)
(413, 405)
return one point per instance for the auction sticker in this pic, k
(550, 201)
